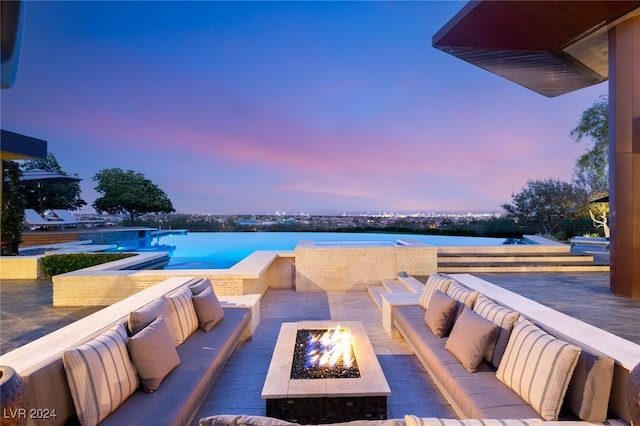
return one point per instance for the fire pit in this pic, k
(324, 372)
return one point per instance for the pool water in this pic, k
(222, 250)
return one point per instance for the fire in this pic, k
(331, 348)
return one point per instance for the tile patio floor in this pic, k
(26, 314)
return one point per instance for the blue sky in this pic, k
(257, 107)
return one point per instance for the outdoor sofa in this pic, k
(141, 368)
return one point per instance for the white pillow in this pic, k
(100, 375)
(183, 315)
(538, 367)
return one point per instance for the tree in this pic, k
(129, 192)
(592, 168)
(61, 195)
(546, 203)
(12, 208)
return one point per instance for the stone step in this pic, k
(551, 258)
(375, 290)
(520, 267)
(413, 284)
(395, 286)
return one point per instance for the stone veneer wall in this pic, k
(348, 268)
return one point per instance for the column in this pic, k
(624, 157)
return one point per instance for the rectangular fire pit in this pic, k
(325, 400)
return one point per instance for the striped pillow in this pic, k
(463, 295)
(183, 315)
(100, 375)
(538, 367)
(434, 282)
(502, 317)
(417, 421)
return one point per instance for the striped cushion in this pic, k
(538, 367)
(463, 295)
(416, 421)
(100, 375)
(183, 315)
(434, 282)
(502, 317)
(144, 316)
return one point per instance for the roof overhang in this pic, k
(550, 47)
(14, 146)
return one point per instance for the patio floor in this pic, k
(26, 314)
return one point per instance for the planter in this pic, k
(13, 397)
(633, 395)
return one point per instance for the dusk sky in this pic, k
(297, 107)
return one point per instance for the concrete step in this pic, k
(521, 267)
(395, 286)
(413, 284)
(522, 258)
(375, 290)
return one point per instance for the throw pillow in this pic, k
(440, 313)
(504, 318)
(417, 421)
(208, 309)
(144, 316)
(469, 338)
(538, 367)
(153, 352)
(100, 375)
(183, 314)
(463, 295)
(434, 282)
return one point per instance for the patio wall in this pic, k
(20, 267)
(347, 268)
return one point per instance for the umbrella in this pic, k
(36, 177)
(604, 199)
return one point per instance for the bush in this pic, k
(57, 264)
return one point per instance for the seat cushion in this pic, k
(538, 367)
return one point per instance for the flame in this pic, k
(330, 348)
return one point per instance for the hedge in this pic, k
(57, 264)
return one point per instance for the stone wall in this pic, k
(349, 268)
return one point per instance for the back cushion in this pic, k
(538, 367)
(463, 295)
(183, 314)
(434, 282)
(100, 375)
(590, 387)
(48, 387)
(504, 318)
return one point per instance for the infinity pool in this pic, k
(221, 250)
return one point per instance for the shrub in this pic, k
(56, 264)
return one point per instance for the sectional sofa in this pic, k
(154, 363)
(493, 360)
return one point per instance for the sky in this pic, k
(296, 107)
